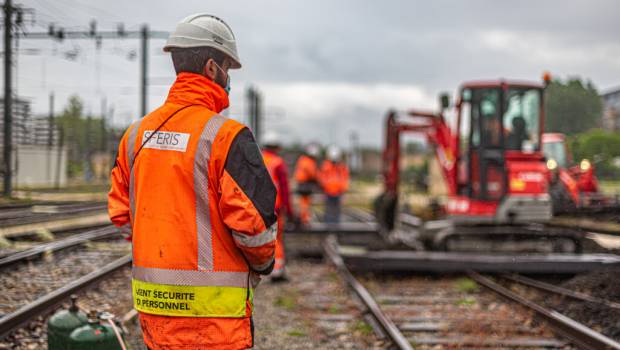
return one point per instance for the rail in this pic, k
(50, 301)
(387, 326)
(579, 334)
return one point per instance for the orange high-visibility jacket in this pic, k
(200, 204)
(334, 178)
(277, 169)
(279, 174)
(306, 169)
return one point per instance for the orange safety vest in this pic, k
(334, 178)
(201, 209)
(306, 169)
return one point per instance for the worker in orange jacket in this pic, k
(306, 176)
(279, 174)
(192, 187)
(334, 179)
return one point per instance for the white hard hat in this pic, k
(313, 150)
(205, 30)
(271, 138)
(334, 153)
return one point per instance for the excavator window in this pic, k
(480, 168)
(557, 151)
(522, 119)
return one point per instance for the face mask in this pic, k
(219, 81)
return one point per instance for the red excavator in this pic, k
(493, 165)
(573, 188)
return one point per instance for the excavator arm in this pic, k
(437, 133)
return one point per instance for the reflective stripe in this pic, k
(262, 266)
(190, 277)
(191, 301)
(131, 143)
(201, 184)
(267, 236)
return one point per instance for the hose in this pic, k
(118, 334)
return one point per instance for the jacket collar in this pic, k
(195, 89)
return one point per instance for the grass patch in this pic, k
(610, 186)
(333, 276)
(466, 285)
(466, 302)
(296, 333)
(287, 302)
(363, 328)
(334, 309)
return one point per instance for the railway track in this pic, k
(44, 212)
(11, 257)
(32, 288)
(455, 312)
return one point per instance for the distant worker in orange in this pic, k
(334, 179)
(279, 174)
(306, 176)
(192, 187)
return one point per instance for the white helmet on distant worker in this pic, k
(205, 30)
(334, 153)
(271, 139)
(313, 150)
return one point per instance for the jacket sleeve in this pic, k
(247, 202)
(321, 175)
(118, 197)
(299, 171)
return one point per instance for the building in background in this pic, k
(611, 110)
(39, 160)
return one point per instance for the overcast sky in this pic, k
(327, 68)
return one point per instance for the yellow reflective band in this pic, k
(190, 301)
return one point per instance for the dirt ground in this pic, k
(603, 284)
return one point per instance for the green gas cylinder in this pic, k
(95, 335)
(62, 323)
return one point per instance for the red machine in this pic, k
(492, 161)
(571, 186)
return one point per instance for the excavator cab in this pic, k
(500, 168)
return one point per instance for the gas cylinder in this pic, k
(62, 323)
(95, 335)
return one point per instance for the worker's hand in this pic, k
(254, 279)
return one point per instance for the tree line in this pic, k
(574, 108)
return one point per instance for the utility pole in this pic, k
(104, 137)
(50, 121)
(50, 137)
(254, 111)
(144, 38)
(8, 106)
(88, 148)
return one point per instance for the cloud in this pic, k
(331, 111)
(550, 48)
